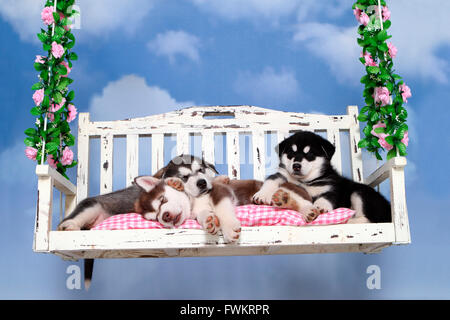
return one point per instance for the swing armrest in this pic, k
(394, 170)
(59, 182)
(48, 179)
(383, 172)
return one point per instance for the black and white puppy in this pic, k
(305, 160)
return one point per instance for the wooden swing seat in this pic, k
(208, 122)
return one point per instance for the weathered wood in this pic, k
(83, 156)
(106, 163)
(208, 146)
(163, 239)
(355, 151)
(182, 143)
(132, 158)
(233, 158)
(259, 154)
(44, 210)
(398, 201)
(333, 135)
(157, 152)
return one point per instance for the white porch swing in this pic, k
(249, 120)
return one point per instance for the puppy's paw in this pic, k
(280, 198)
(312, 214)
(231, 230)
(68, 225)
(263, 197)
(175, 183)
(222, 179)
(212, 224)
(323, 205)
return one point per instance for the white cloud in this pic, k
(418, 31)
(173, 43)
(129, 97)
(336, 46)
(97, 18)
(268, 87)
(15, 167)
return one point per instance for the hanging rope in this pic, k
(49, 74)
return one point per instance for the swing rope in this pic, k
(49, 73)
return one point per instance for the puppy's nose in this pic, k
(296, 167)
(166, 217)
(201, 184)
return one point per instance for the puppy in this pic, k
(305, 161)
(213, 204)
(156, 199)
(287, 196)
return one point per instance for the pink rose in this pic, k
(67, 157)
(386, 13)
(31, 153)
(47, 16)
(378, 125)
(72, 113)
(357, 13)
(40, 59)
(51, 162)
(56, 107)
(382, 95)
(61, 17)
(364, 18)
(57, 50)
(405, 139)
(65, 64)
(369, 61)
(38, 96)
(392, 50)
(405, 91)
(383, 143)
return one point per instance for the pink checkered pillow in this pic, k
(249, 215)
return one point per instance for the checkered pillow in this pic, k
(249, 215)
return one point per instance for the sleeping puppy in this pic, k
(156, 199)
(214, 199)
(287, 196)
(305, 161)
(213, 204)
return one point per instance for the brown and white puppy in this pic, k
(287, 196)
(156, 199)
(213, 205)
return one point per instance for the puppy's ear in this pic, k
(279, 149)
(210, 166)
(146, 182)
(159, 174)
(328, 148)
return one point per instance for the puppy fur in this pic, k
(305, 161)
(154, 198)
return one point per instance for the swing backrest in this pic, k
(231, 122)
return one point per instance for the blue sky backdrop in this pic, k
(138, 58)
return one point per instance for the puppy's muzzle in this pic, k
(170, 218)
(201, 184)
(296, 167)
